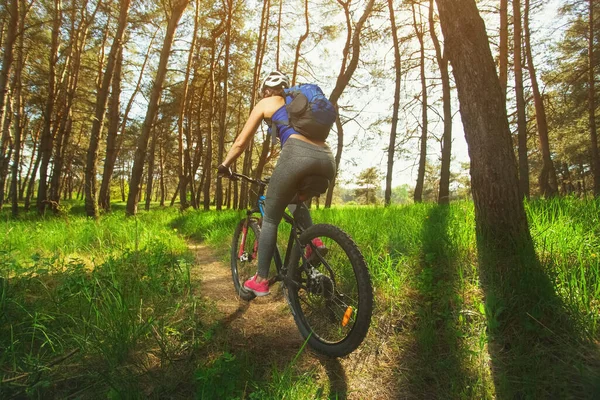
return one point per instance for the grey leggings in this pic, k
(298, 159)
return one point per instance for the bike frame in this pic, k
(260, 209)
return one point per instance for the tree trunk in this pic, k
(29, 175)
(503, 47)
(140, 153)
(547, 177)
(91, 195)
(19, 111)
(7, 61)
(183, 176)
(442, 60)
(151, 163)
(595, 154)
(397, 85)
(346, 72)
(224, 101)
(500, 214)
(6, 127)
(419, 31)
(63, 135)
(114, 140)
(207, 167)
(123, 181)
(262, 160)
(260, 50)
(31, 183)
(299, 44)
(278, 50)
(46, 139)
(161, 166)
(519, 94)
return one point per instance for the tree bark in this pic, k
(278, 50)
(547, 178)
(346, 72)
(115, 141)
(520, 97)
(63, 135)
(396, 107)
(595, 153)
(503, 47)
(91, 195)
(224, 101)
(19, 110)
(161, 166)
(142, 145)
(112, 138)
(260, 50)
(29, 175)
(184, 178)
(442, 60)
(31, 183)
(46, 139)
(500, 215)
(207, 167)
(419, 31)
(151, 164)
(299, 44)
(7, 61)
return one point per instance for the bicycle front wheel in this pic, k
(330, 291)
(244, 249)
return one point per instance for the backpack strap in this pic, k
(274, 123)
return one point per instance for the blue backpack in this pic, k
(309, 111)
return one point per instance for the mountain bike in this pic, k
(328, 288)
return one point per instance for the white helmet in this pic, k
(276, 79)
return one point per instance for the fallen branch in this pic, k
(52, 363)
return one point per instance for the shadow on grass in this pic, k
(338, 385)
(433, 365)
(238, 358)
(68, 330)
(537, 346)
(234, 364)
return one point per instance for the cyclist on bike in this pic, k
(300, 157)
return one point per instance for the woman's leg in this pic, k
(296, 161)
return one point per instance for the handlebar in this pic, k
(260, 182)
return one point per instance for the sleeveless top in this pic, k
(284, 131)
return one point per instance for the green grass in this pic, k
(445, 326)
(115, 296)
(96, 292)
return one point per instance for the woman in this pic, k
(300, 157)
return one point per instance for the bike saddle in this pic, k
(311, 186)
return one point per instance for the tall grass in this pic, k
(424, 266)
(93, 294)
(109, 307)
(567, 236)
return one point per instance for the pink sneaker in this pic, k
(320, 246)
(259, 289)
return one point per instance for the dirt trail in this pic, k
(266, 330)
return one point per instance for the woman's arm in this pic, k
(263, 109)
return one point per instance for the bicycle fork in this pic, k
(242, 254)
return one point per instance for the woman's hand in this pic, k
(224, 172)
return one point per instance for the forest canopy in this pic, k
(138, 101)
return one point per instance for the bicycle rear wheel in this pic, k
(244, 249)
(330, 292)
